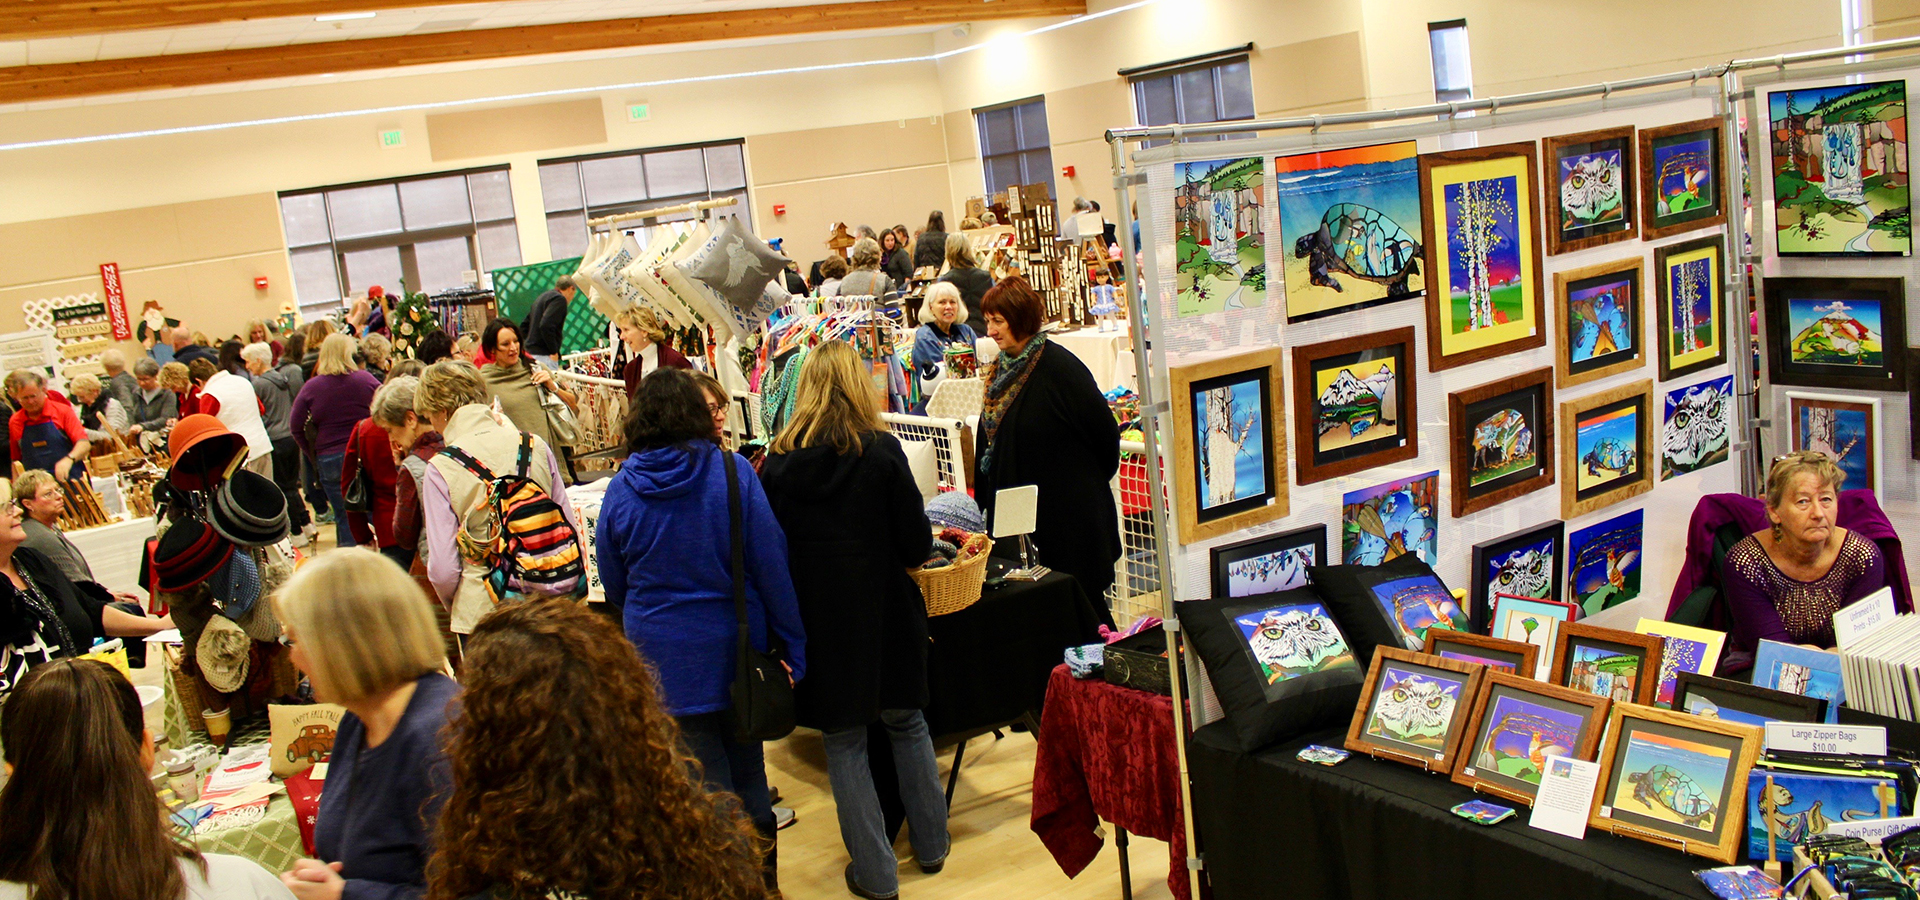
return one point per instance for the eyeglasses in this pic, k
(715, 408)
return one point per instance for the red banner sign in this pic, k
(116, 302)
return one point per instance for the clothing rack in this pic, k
(695, 206)
(463, 309)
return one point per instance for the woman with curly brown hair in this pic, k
(561, 724)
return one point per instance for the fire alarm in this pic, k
(260, 283)
(779, 209)
(1066, 171)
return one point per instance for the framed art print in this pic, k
(1603, 562)
(1801, 670)
(1483, 256)
(1688, 650)
(1738, 701)
(1349, 228)
(1697, 430)
(1837, 332)
(1501, 440)
(1674, 779)
(1590, 189)
(1265, 565)
(1601, 311)
(1230, 443)
(1517, 725)
(1845, 428)
(1606, 662)
(1680, 178)
(1219, 235)
(1690, 331)
(1533, 621)
(1840, 169)
(1414, 708)
(1388, 520)
(1497, 654)
(1353, 402)
(1523, 564)
(1606, 450)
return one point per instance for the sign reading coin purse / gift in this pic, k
(1501, 440)
(1690, 330)
(1606, 448)
(1413, 708)
(1607, 662)
(1674, 779)
(1601, 314)
(1482, 255)
(1523, 564)
(1517, 725)
(1497, 654)
(1590, 189)
(1230, 444)
(1837, 332)
(1280, 664)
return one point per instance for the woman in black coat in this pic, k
(841, 489)
(965, 273)
(1046, 423)
(931, 246)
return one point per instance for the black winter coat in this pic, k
(930, 249)
(1059, 434)
(973, 282)
(854, 526)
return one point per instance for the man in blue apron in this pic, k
(45, 431)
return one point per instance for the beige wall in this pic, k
(880, 174)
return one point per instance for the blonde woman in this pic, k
(965, 273)
(100, 413)
(375, 650)
(866, 279)
(940, 326)
(645, 340)
(332, 402)
(841, 489)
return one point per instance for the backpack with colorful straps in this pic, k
(533, 550)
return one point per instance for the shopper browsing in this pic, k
(154, 409)
(275, 388)
(332, 402)
(939, 328)
(645, 340)
(964, 273)
(514, 380)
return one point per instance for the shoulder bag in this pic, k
(560, 419)
(762, 694)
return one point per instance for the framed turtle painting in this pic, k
(1483, 254)
(1674, 779)
(1622, 666)
(1680, 178)
(1414, 708)
(1230, 444)
(1501, 440)
(1517, 724)
(1590, 197)
(1349, 228)
(1837, 332)
(1606, 448)
(1601, 312)
(1522, 564)
(1691, 330)
(1353, 402)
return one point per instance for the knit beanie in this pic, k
(956, 509)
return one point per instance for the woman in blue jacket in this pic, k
(665, 554)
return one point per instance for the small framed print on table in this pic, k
(1501, 440)
(1838, 332)
(1497, 654)
(1680, 178)
(1590, 181)
(1229, 444)
(1689, 650)
(1601, 312)
(1847, 429)
(1266, 565)
(1606, 448)
(1482, 254)
(1690, 330)
(1531, 621)
(1414, 708)
(1738, 701)
(1517, 725)
(1671, 778)
(1526, 564)
(1606, 662)
(1353, 405)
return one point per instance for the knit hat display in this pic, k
(957, 510)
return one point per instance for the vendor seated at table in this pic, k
(45, 431)
(1785, 584)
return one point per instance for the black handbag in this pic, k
(762, 694)
(357, 494)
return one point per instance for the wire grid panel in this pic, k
(1136, 583)
(946, 436)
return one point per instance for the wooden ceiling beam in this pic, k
(108, 76)
(22, 20)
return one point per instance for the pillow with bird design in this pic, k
(1393, 604)
(1280, 664)
(738, 265)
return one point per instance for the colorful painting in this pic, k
(1698, 705)
(1602, 320)
(1530, 622)
(1230, 428)
(1500, 440)
(1684, 181)
(1607, 446)
(1485, 299)
(1266, 565)
(1388, 520)
(1527, 570)
(1604, 562)
(1800, 670)
(1483, 252)
(1835, 332)
(1229, 443)
(1294, 640)
(1800, 804)
(1219, 238)
(1590, 194)
(1698, 429)
(1415, 707)
(1503, 444)
(1840, 169)
(1350, 221)
(1693, 328)
(1520, 734)
(1847, 429)
(1356, 404)
(1603, 671)
(1687, 649)
(1417, 605)
(1672, 779)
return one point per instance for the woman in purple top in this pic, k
(1785, 583)
(331, 402)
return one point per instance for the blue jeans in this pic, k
(861, 824)
(735, 768)
(330, 481)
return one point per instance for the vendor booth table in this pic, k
(1100, 351)
(988, 664)
(113, 552)
(273, 840)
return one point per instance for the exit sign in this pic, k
(394, 139)
(639, 112)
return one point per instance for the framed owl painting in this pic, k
(1590, 189)
(1414, 708)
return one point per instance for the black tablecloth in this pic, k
(1270, 825)
(989, 663)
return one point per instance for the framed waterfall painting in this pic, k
(1501, 440)
(1601, 311)
(1840, 169)
(1349, 228)
(1690, 330)
(1483, 253)
(1590, 197)
(1219, 235)
(1230, 443)
(1353, 405)
(1837, 332)
(1606, 448)
(1680, 179)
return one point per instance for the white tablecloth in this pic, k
(1099, 351)
(113, 552)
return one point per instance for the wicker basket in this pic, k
(950, 589)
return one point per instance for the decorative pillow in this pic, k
(923, 461)
(643, 273)
(738, 266)
(1280, 664)
(301, 735)
(1393, 603)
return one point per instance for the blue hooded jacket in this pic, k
(664, 551)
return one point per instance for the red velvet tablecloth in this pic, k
(1106, 752)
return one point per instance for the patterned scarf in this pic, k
(1006, 377)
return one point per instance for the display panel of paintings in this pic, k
(1845, 428)
(1517, 725)
(1840, 169)
(1680, 178)
(1265, 565)
(1349, 228)
(1230, 442)
(1413, 708)
(1497, 654)
(1220, 243)
(1837, 332)
(1604, 562)
(1697, 430)
(1590, 196)
(1483, 253)
(1606, 448)
(1501, 440)
(1523, 564)
(1353, 405)
(1531, 620)
(1601, 312)
(1688, 650)
(1674, 779)
(1738, 701)
(1606, 662)
(1387, 520)
(1690, 329)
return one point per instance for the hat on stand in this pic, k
(956, 509)
(188, 554)
(222, 654)
(235, 586)
(249, 509)
(201, 448)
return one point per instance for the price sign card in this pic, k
(1566, 796)
(1862, 617)
(1851, 740)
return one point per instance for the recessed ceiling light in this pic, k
(342, 17)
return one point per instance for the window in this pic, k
(428, 231)
(1452, 65)
(1014, 146)
(1213, 88)
(579, 188)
